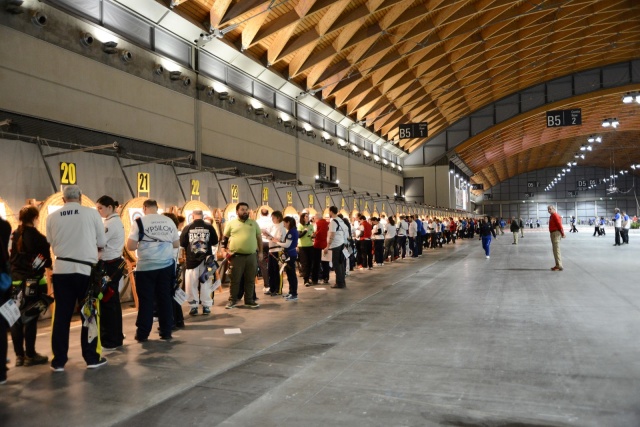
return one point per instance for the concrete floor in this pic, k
(449, 339)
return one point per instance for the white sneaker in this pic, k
(265, 290)
(487, 256)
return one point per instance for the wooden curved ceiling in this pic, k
(400, 61)
(526, 144)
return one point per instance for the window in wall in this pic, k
(172, 47)
(122, 22)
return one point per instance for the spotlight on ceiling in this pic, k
(86, 39)
(39, 19)
(109, 47)
(610, 122)
(224, 96)
(126, 56)
(629, 97)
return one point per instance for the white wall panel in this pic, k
(58, 85)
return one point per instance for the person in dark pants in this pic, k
(486, 231)
(305, 233)
(5, 234)
(319, 271)
(240, 241)
(366, 247)
(335, 243)
(30, 255)
(75, 233)
(290, 243)
(111, 334)
(155, 237)
(617, 223)
(377, 234)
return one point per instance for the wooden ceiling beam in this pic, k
(217, 12)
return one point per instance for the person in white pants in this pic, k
(197, 240)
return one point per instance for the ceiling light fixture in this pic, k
(610, 122)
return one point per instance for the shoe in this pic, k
(179, 325)
(231, 304)
(617, 244)
(140, 339)
(307, 284)
(97, 364)
(57, 368)
(488, 257)
(19, 361)
(326, 281)
(251, 304)
(108, 349)
(193, 311)
(291, 298)
(266, 291)
(3, 382)
(370, 268)
(165, 337)
(206, 311)
(556, 269)
(275, 294)
(37, 359)
(337, 287)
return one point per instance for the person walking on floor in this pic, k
(335, 243)
(557, 233)
(617, 223)
(515, 229)
(486, 231)
(624, 230)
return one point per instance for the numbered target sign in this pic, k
(143, 183)
(355, 204)
(235, 193)
(366, 206)
(327, 201)
(68, 174)
(310, 200)
(289, 198)
(265, 195)
(195, 187)
(557, 118)
(342, 204)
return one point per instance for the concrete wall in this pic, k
(46, 81)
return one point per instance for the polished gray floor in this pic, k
(448, 339)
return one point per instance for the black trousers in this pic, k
(68, 290)
(306, 254)
(617, 237)
(378, 248)
(338, 261)
(155, 285)
(275, 279)
(24, 335)
(3, 345)
(624, 233)
(111, 334)
(291, 275)
(316, 259)
(402, 246)
(367, 253)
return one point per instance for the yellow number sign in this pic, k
(235, 193)
(195, 187)
(289, 198)
(143, 183)
(265, 195)
(310, 200)
(68, 173)
(327, 201)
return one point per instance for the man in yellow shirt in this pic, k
(241, 239)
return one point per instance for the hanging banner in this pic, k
(342, 203)
(235, 193)
(289, 198)
(327, 202)
(144, 179)
(310, 200)
(265, 196)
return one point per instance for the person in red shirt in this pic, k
(321, 227)
(557, 233)
(366, 248)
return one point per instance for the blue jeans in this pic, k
(486, 243)
(155, 285)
